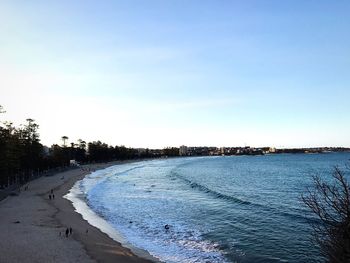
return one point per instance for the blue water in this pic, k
(219, 209)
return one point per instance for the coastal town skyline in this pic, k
(155, 74)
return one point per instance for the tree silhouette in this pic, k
(330, 202)
(82, 144)
(22, 155)
(64, 139)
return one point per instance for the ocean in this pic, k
(210, 209)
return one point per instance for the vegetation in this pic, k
(170, 151)
(330, 202)
(22, 156)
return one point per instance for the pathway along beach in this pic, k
(32, 227)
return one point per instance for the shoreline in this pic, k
(34, 226)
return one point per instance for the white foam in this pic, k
(76, 196)
(144, 202)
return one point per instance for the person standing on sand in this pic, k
(50, 197)
(67, 232)
(53, 196)
(70, 230)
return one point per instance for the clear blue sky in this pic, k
(166, 73)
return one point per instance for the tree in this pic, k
(82, 144)
(59, 156)
(30, 146)
(10, 153)
(171, 151)
(22, 156)
(64, 139)
(80, 151)
(330, 202)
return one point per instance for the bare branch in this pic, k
(330, 203)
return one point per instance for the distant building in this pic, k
(183, 150)
(222, 150)
(73, 163)
(272, 150)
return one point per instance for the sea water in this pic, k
(217, 209)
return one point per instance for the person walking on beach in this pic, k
(67, 232)
(70, 230)
(50, 197)
(53, 196)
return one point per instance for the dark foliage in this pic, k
(330, 202)
(23, 157)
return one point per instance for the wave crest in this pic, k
(205, 189)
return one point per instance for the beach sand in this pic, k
(32, 227)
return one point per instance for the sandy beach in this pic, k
(32, 227)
